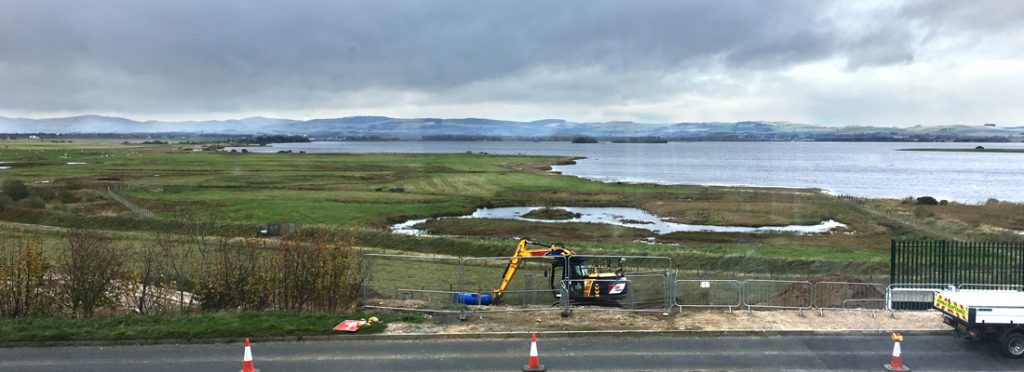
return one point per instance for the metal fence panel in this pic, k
(531, 289)
(849, 295)
(709, 293)
(650, 284)
(912, 296)
(411, 283)
(777, 294)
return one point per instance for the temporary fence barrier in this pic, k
(440, 284)
(650, 285)
(411, 283)
(848, 295)
(777, 294)
(469, 284)
(709, 293)
(912, 296)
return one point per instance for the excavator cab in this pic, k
(584, 284)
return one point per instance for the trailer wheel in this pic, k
(1013, 344)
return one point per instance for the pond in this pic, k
(622, 216)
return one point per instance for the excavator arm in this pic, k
(524, 250)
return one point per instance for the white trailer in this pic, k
(995, 315)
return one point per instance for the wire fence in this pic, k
(710, 293)
(464, 285)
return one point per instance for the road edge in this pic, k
(477, 336)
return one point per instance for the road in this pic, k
(647, 353)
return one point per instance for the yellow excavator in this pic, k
(584, 284)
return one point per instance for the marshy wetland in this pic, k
(727, 229)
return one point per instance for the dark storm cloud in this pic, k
(172, 57)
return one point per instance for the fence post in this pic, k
(670, 290)
(462, 288)
(564, 299)
(364, 263)
(743, 295)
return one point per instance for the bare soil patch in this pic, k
(697, 320)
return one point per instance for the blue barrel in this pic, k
(473, 298)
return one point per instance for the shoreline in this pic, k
(932, 149)
(561, 168)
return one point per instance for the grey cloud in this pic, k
(960, 15)
(157, 57)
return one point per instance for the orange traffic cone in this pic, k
(247, 359)
(534, 364)
(897, 355)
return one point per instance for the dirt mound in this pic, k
(833, 291)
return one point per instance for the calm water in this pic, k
(629, 217)
(862, 169)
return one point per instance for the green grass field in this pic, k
(368, 192)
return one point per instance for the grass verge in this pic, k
(196, 326)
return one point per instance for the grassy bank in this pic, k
(212, 325)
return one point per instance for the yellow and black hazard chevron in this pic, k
(950, 307)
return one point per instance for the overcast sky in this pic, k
(834, 63)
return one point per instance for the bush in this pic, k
(303, 272)
(67, 197)
(234, 275)
(318, 271)
(24, 288)
(15, 189)
(927, 200)
(90, 264)
(33, 202)
(46, 193)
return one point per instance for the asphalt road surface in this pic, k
(646, 353)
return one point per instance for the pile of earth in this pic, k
(831, 291)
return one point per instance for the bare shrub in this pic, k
(235, 276)
(176, 261)
(89, 265)
(147, 287)
(25, 289)
(317, 271)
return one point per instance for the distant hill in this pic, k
(488, 129)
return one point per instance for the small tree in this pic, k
(89, 266)
(15, 189)
(24, 288)
(317, 271)
(235, 276)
